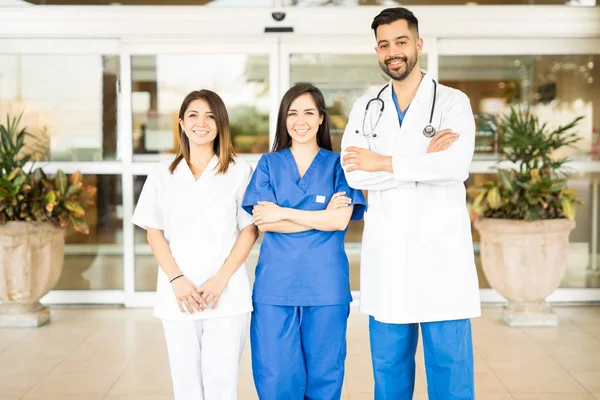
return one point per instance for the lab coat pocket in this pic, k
(439, 219)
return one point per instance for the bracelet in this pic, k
(178, 276)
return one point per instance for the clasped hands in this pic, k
(198, 299)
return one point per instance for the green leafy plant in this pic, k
(536, 187)
(32, 195)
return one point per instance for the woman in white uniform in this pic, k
(200, 237)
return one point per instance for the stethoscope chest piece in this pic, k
(429, 131)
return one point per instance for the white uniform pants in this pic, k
(204, 355)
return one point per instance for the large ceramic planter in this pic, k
(31, 260)
(525, 262)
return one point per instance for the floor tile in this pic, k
(553, 396)
(120, 354)
(18, 384)
(517, 382)
(590, 380)
(62, 385)
(140, 397)
(28, 364)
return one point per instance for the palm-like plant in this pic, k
(536, 187)
(32, 195)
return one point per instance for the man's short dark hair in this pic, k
(394, 14)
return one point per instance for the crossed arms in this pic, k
(447, 159)
(269, 217)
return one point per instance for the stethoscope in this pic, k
(429, 131)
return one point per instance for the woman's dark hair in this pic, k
(222, 144)
(282, 139)
(390, 15)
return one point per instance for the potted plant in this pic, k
(524, 218)
(35, 210)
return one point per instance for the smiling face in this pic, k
(303, 119)
(199, 123)
(398, 49)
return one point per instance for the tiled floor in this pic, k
(117, 354)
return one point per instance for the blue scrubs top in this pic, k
(306, 268)
(401, 114)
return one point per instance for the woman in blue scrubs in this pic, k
(300, 199)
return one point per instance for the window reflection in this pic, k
(160, 83)
(95, 261)
(558, 88)
(69, 103)
(411, 3)
(307, 3)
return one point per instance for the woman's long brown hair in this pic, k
(222, 144)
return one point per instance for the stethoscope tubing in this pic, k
(428, 131)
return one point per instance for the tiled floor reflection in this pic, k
(119, 354)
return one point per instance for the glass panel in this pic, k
(95, 261)
(146, 266)
(210, 3)
(580, 273)
(353, 253)
(160, 83)
(308, 3)
(410, 3)
(558, 88)
(69, 102)
(305, 3)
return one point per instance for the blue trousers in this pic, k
(298, 352)
(448, 351)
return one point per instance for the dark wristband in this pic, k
(177, 277)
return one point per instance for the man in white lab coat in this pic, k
(417, 265)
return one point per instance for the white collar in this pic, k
(183, 172)
(424, 92)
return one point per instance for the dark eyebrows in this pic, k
(197, 112)
(399, 37)
(308, 109)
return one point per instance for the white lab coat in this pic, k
(417, 262)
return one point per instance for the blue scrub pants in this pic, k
(448, 351)
(298, 352)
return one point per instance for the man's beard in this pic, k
(400, 74)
